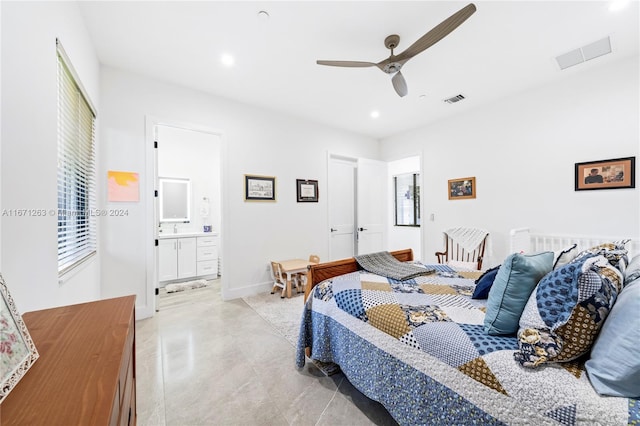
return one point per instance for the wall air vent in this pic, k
(454, 99)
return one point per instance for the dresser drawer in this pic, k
(209, 267)
(207, 241)
(207, 253)
(127, 390)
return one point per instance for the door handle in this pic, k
(362, 229)
(333, 229)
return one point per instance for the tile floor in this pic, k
(203, 361)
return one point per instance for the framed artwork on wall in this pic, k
(259, 188)
(462, 188)
(307, 190)
(606, 174)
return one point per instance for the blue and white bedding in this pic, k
(418, 347)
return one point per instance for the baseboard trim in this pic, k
(249, 290)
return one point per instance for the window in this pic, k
(407, 199)
(76, 169)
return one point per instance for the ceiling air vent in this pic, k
(454, 99)
(584, 53)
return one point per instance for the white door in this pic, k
(341, 194)
(357, 206)
(371, 194)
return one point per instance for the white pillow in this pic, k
(564, 256)
(463, 266)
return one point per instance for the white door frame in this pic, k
(151, 169)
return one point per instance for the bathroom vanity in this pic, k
(187, 255)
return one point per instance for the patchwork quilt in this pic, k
(418, 347)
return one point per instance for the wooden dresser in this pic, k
(86, 371)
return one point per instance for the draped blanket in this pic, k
(384, 264)
(468, 238)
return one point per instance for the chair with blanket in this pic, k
(464, 247)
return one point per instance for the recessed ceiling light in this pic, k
(227, 60)
(423, 96)
(618, 5)
(375, 114)
(263, 15)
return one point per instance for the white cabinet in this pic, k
(207, 255)
(167, 259)
(177, 258)
(187, 257)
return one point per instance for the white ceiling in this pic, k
(504, 48)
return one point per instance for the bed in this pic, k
(418, 347)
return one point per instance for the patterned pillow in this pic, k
(565, 312)
(615, 252)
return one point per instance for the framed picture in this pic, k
(606, 174)
(17, 350)
(462, 188)
(259, 188)
(307, 190)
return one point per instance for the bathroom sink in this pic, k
(184, 234)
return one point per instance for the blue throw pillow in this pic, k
(632, 272)
(484, 283)
(614, 365)
(514, 283)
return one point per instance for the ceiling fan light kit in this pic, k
(394, 63)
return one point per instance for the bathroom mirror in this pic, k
(175, 200)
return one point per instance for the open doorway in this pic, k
(187, 208)
(405, 205)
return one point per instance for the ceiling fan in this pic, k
(393, 63)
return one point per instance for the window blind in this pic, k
(76, 170)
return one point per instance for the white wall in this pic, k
(402, 237)
(256, 141)
(522, 151)
(29, 149)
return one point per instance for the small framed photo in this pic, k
(259, 188)
(17, 350)
(462, 188)
(606, 174)
(307, 190)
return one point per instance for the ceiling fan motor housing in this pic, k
(392, 67)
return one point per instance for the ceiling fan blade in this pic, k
(355, 64)
(438, 32)
(400, 84)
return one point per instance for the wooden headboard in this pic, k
(322, 271)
